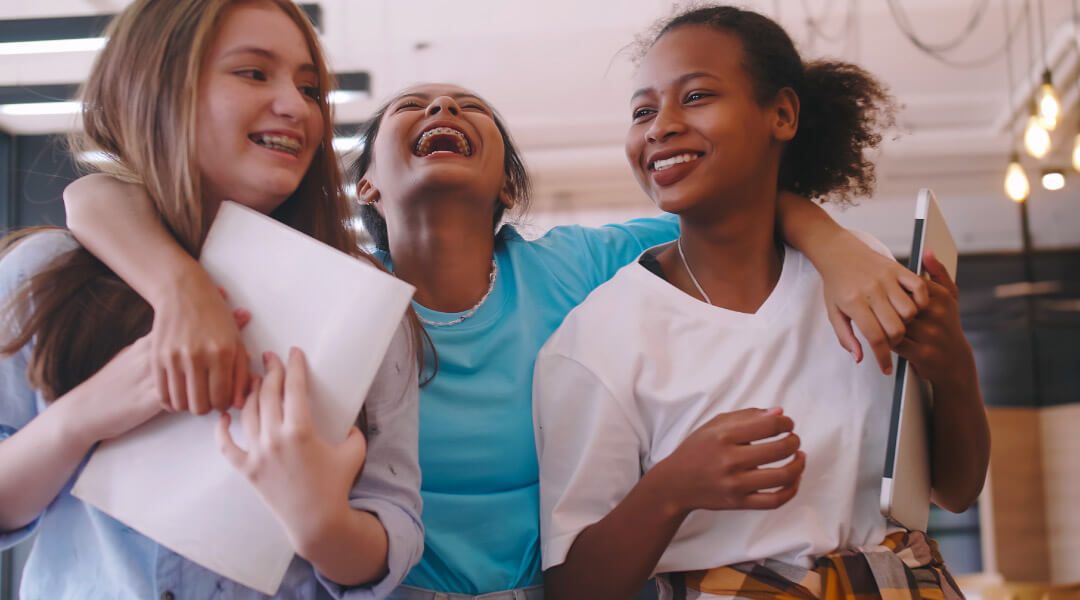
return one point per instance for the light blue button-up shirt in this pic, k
(83, 554)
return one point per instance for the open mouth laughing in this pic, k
(442, 139)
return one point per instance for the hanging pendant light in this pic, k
(1036, 139)
(1076, 153)
(1017, 187)
(1047, 103)
(1053, 179)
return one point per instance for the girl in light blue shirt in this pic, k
(201, 101)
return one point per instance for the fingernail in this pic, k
(776, 410)
(888, 370)
(854, 356)
(266, 357)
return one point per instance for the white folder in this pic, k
(168, 480)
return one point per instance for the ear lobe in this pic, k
(507, 196)
(787, 115)
(367, 192)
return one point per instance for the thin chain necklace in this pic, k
(476, 307)
(691, 273)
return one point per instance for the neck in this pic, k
(732, 252)
(444, 250)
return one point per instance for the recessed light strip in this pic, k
(52, 46)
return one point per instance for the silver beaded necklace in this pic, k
(476, 307)
(691, 273)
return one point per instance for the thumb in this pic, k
(842, 326)
(355, 448)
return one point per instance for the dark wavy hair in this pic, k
(517, 177)
(843, 108)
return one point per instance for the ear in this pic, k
(786, 114)
(507, 196)
(369, 194)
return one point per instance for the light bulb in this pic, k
(1016, 181)
(1049, 107)
(1036, 139)
(1053, 179)
(1076, 153)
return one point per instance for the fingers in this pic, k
(842, 326)
(355, 446)
(902, 303)
(296, 388)
(916, 286)
(177, 383)
(219, 383)
(250, 414)
(874, 334)
(240, 377)
(242, 316)
(758, 426)
(940, 275)
(270, 393)
(198, 390)
(227, 445)
(763, 453)
(770, 500)
(891, 323)
(759, 479)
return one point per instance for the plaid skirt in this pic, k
(908, 566)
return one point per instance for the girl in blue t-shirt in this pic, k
(436, 174)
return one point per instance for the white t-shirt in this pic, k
(640, 365)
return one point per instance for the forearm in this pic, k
(961, 441)
(625, 546)
(808, 228)
(118, 224)
(37, 461)
(349, 548)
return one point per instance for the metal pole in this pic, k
(1029, 276)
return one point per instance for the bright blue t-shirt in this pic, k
(477, 454)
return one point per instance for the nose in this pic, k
(667, 123)
(289, 102)
(442, 103)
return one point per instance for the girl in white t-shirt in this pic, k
(666, 405)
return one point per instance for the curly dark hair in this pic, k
(843, 108)
(517, 177)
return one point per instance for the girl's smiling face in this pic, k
(438, 138)
(259, 120)
(697, 129)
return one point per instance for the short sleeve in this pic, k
(390, 485)
(589, 449)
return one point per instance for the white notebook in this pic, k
(168, 480)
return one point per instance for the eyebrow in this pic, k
(679, 81)
(267, 54)
(457, 96)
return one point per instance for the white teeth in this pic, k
(424, 144)
(278, 142)
(666, 163)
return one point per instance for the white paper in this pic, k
(168, 480)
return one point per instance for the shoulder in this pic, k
(595, 327)
(29, 253)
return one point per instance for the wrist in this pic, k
(76, 428)
(186, 274)
(662, 487)
(318, 526)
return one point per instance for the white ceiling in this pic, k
(557, 72)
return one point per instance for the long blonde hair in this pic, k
(139, 107)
